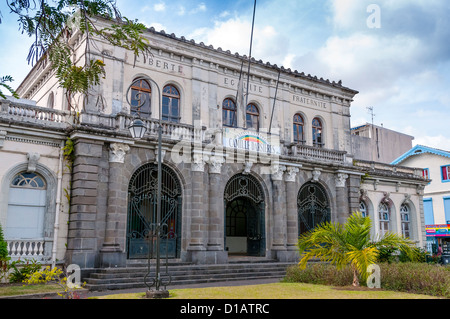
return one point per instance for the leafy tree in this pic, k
(350, 244)
(3, 81)
(52, 24)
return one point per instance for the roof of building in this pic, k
(421, 149)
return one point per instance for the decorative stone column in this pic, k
(198, 226)
(341, 198)
(112, 254)
(278, 210)
(292, 213)
(87, 204)
(215, 253)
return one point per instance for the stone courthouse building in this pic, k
(241, 174)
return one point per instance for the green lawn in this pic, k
(23, 289)
(277, 291)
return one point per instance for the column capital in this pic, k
(277, 172)
(117, 152)
(215, 164)
(291, 173)
(198, 163)
(340, 179)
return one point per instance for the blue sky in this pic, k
(401, 68)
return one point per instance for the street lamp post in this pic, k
(137, 130)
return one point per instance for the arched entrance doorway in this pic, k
(244, 216)
(313, 207)
(142, 208)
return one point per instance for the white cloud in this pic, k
(181, 11)
(159, 7)
(224, 14)
(364, 60)
(345, 12)
(200, 8)
(234, 35)
(438, 141)
(157, 26)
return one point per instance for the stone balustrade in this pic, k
(316, 153)
(26, 248)
(121, 121)
(31, 113)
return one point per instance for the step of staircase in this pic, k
(182, 273)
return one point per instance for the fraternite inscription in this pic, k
(302, 100)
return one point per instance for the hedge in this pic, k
(419, 278)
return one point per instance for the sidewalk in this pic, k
(86, 293)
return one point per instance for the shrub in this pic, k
(54, 275)
(3, 246)
(321, 274)
(419, 278)
(391, 254)
(4, 258)
(23, 269)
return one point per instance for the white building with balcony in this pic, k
(238, 178)
(435, 165)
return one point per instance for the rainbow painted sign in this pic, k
(251, 141)
(437, 230)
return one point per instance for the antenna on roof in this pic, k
(370, 110)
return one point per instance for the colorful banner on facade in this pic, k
(251, 141)
(437, 230)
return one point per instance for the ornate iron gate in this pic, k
(141, 222)
(313, 207)
(244, 212)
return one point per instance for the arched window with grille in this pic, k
(26, 207)
(313, 207)
(405, 220)
(252, 117)
(299, 136)
(141, 98)
(171, 104)
(229, 113)
(317, 130)
(384, 215)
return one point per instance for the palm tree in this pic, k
(349, 244)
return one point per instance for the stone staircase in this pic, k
(183, 273)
